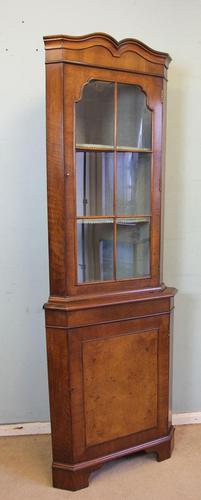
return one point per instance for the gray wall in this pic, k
(172, 26)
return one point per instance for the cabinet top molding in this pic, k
(102, 50)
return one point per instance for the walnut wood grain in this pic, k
(115, 390)
(100, 49)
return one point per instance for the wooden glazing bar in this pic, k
(115, 180)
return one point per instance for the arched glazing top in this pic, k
(103, 120)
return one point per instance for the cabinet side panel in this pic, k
(59, 394)
(171, 324)
(55, 177)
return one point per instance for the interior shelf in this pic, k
(104, 147)
(94, 147)
(119, 219)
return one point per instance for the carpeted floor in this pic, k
(25, 472)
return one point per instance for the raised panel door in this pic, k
(119, 377)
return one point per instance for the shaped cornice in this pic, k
(102, 50)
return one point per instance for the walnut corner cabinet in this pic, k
(109, 314)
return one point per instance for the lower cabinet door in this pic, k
(119, 375)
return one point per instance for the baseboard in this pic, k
(25, 429)
(44, 427)
(186, 418)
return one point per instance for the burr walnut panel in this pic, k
(117, 391)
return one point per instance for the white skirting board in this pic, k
(186, 418)
(44, 427)
(25, 429)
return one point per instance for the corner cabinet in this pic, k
(109, 315)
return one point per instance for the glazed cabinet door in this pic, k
(113, 131)
(113, 162)
(119, 385)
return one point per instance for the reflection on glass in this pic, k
(132, 248)
(133, 183)
(94, 183)
(134, 118)
(95, 114)
(94, 250)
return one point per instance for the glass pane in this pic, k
(133, 238)
(95, 115)
(133, 183)
(94, 183)
(95, 250)
(134, 118)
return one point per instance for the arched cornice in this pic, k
(103, 50)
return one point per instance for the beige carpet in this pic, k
(25, 472)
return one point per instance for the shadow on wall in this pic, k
(182, 247)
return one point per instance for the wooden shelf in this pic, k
(125, 149)
(104, 147)
(110, 218)
(94, 147)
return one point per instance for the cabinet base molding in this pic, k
(76, 476)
